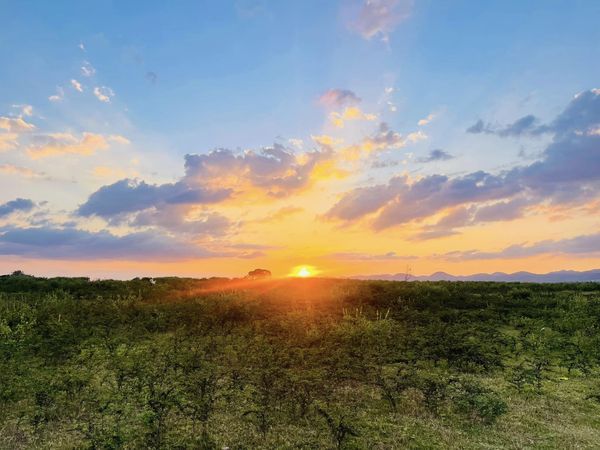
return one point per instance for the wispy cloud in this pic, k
(76, 85)
(10, 169)
(427, 120)
(350, 113)
(435, 155)
(56, 144)
(339, 98)
(378, 18)
(87, 70)
(103, 93)
(8, 141)
(60, 94)
(15, 124)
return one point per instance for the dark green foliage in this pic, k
(474, 400)
(182, 363)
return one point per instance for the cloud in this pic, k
(384, 164)
(526, 125)
(500, 211)
(467, 216)
(104, 94)
(19, 204)
(585, 245)
(568, 172)
(380, 17)
(87, 70)
(174, 219)
(383, 138)
(70, 243)
(76, 85)
(360, 202)
(60, 94)
(26, 110)
(211, 178)
(56, 144)
(152, 77)
(281, 213)
(10, 169)
(357, 256)
(427, 120)
(276, 170)
(8, 141)
(338, 98)
(15, 125)
(350, 113)
(130, 196)
(436, 155)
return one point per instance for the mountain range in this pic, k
(562, 276)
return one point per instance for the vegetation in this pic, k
(298, 363)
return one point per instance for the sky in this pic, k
(354, 137)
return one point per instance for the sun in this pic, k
(303, 271)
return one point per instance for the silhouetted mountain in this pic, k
(562, 276)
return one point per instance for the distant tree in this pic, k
(259, 274)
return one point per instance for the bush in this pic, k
(478, 402)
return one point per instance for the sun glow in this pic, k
(303, 272)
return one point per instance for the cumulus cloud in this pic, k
(104, 94)
(215, 177)
(436, 155)
(276, 170)
(338, 98)
(380, 17)
(55, 144)
(130, 196)
(568, 171)
(19, 204)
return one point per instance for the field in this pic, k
(297, 363)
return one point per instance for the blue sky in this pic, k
(172, 79)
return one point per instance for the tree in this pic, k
(259, 274)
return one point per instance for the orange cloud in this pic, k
(64, 143)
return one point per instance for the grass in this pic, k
(296, 364)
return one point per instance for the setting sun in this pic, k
(303, 271)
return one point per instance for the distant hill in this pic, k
(562, 276)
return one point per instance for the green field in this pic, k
(297, 363)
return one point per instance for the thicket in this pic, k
(182, 363)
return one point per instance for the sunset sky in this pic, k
(202, 138)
